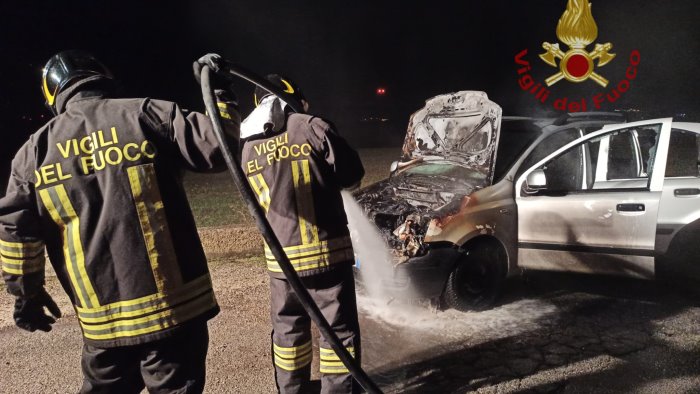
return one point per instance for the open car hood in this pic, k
(460, 127)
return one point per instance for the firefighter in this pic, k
(298, 164)
(99, 187)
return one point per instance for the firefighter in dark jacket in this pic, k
(298, 164)
(100, 188)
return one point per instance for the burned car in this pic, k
(478, 197)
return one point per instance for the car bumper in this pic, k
(421, 277)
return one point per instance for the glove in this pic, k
(213, 60)
(29, 312)
(220, 79)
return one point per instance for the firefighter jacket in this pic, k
(297, 174)
(100, 186)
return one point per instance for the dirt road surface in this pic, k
(552, 333)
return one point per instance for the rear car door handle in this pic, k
(630, 208)
(689, 192)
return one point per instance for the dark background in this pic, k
(340, 52)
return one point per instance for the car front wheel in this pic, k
(477, 279)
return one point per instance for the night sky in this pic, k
(340, 52)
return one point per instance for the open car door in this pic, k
(592, 205)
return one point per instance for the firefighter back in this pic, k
(118, 228)
(293, 175)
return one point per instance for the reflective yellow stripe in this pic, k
(261, 189)
(303, 250)
(50, 96)
(310, 202)
(306, 257)
(223, 110)
(295, 364)
(305, 203)
(300, 204)
(20, 254)
(48, 203)
(341, 241)
(121, 303)
(330, 362)
(311, 253)
(335, 256)
(329, 354)
(21, 245)
(22, 267)
(291, 352)
(151, 213)
(20, 258)
(151, 323)
(56, 201)
(21, 250)
(333, 370)
(74, 225)
(292, 358)
(15, 271)
(145, 305)
(319, 261)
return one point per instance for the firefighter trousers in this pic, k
(334, 293)
(172, 365)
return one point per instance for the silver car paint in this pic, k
(592, 220)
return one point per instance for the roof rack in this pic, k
(578, 116)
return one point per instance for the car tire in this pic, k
(477, 280)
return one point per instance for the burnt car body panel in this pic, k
(462, 128)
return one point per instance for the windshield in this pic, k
(446, 170)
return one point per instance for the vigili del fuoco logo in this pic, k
(577, 30)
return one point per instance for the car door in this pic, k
(598, 210)
(679, 211)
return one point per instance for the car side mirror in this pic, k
(393, 167)
(536, 180)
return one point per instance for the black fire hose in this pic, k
(264, 226)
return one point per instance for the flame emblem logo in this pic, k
(577, 29)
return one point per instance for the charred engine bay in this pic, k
(390, 203)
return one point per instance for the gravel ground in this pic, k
(552, 333)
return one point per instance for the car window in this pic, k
(631, 153)
(566, 172)
(577, 169)
(646, 139)
(622, 157)
(548, 145)
(683, 154)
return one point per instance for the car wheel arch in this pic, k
(459, 291)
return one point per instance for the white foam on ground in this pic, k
(375, 264)
(511, 319)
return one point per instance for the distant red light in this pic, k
(381, 91)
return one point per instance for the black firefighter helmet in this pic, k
(291, 90)
(65, 68)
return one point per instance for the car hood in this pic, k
(461, 127)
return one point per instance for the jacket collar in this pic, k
(91, 87)
(268, 117)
